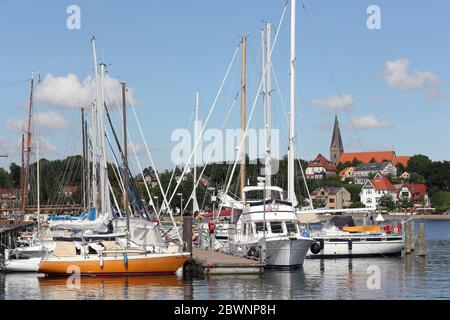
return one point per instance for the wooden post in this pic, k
(408, 240)
(187, 232)
(421, 245)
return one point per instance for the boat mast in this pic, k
(125, 162)
(243, 116)
(104, 182)
(84, 167)
(27, 164)
(195, 207)
(38, 174)
(268, 106)
(291, 152)
(23, 165)
(94, 131)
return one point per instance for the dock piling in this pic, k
(421, 245)
(187, 232)
(409, 238)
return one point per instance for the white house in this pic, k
(375, 188)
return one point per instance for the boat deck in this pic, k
(215, 263)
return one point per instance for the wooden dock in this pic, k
(217, 263)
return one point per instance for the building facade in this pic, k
(331, 198)
(375, 188)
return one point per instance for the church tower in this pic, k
(336, 147)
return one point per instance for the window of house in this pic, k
(245, 229)
(331, 200)
(276, 227)
(369, 200)
(260, 226)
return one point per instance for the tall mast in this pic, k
(268, 107)
(125, 162)
(291, 150)
(194, 200)
(84, 181)
(38, 174)
(94, 126)
(243, 116)
(22, 180)
(104, 182)
(27, 164)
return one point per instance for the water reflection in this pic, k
(111, 287)
(408, 277)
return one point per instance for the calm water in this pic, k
(401, 278)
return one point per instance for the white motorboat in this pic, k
(274, 222)
(340, 238)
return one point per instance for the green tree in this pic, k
(357, 204)
(355, 190)
(419, 164)
(441, 201)
(5, 179)
(387, 202)
(16, 174)
(405, 203)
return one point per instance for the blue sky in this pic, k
(166, 50)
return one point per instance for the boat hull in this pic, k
(287, 253)
(158, 263)
(284, 252)
(344, 248)
(22, 265)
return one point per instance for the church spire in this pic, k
(336, 147)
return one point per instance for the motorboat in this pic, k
(268, 220)
(341, 238)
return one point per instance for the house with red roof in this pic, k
(319, 168)
(346, 173)
(417, 192)
(378, 156)
(375, 188)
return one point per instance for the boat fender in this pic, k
(396, 229)
(6, 254)
(315, 248)
(125, 259)
(101, 261)
(211, 226)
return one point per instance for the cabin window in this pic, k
(290, 227)
(276, 227)
(260, 226)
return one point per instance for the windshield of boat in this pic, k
(258, 195)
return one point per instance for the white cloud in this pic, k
(369, 122)
(46, 147)
(397, 75)
(70, 92)
(344, 102)
(48, 120)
